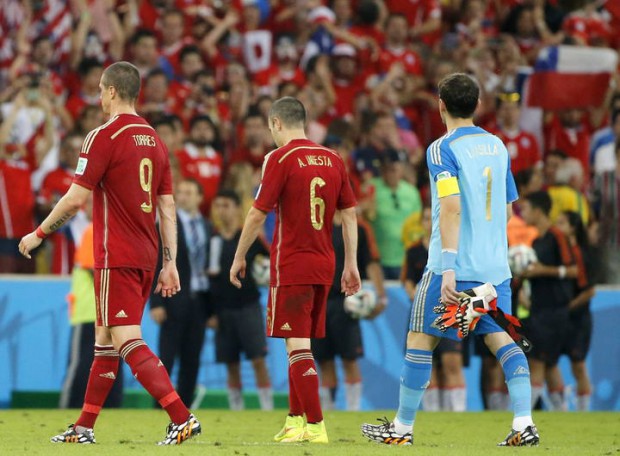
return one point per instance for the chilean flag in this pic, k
(571, 77)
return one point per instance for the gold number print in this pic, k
(487, 173)
(146, 181)
(317, 222)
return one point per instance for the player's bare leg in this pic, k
(495, 385)
(555, 385)
(431, 401)
(537, 375)
(517, 373)
(329, 381)
(584, 388)
(263, 383)
(352, 384)
(235, 395)
(151, 373)
(415, 377)
(453, 381)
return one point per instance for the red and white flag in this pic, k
(571, 77)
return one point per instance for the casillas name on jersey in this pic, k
(474, 164)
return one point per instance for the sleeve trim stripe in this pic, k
(115, 135)
(90, 138)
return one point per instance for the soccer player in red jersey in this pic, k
(305, 183)
(125, 165)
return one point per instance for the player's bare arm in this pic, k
(350, 282)
(64, 210)
(251, 228)
(449, 226)
(168, 283)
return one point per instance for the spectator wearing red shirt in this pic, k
(144, 53)
(16, 207)
(348, 82)
(569, 132)
(396, 50)
(522, 146)
(200, 160)
(191, 63)
(257, 41)
(204, 99)
(424, 17)
(255, 143)
(55, 185)
(90, 72)
(155, 96)
(173, 39)
(284, 70)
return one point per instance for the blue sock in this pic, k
(414, 379)
(517, 373)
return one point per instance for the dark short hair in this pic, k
(231, 195)
(460, 94)
(125, 78)
(540, 200)
(87, 65)
(253, 114)
(191, 180)
(523, 177)
(164, 120)
(188, 50)
(202, 118)
(290, 111)
(142, 33)
(154, 73)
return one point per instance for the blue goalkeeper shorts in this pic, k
(427, 296)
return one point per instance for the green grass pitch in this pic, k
(134, 432)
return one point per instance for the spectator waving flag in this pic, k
(571, 77)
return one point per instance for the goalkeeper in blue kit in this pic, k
(466, 285)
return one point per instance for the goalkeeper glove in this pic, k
(464, 316)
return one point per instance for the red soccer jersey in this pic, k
(410, 60)
(126, 165)
(206, 168)
(305, 183)
(16, 199)
(523, 149)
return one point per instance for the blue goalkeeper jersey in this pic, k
(474, 164)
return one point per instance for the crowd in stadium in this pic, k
(366, 71)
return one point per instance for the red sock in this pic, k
(100, 381)
(151, 373)
(294, 405)
(306, 383)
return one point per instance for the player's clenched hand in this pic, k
(168, 283)
(237, 270)
(29, 243)
(449, 294)
(350, 282)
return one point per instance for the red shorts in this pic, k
(121, 294)
(297, 311)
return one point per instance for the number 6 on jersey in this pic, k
(317, 222)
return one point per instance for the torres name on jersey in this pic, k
(126, 165)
